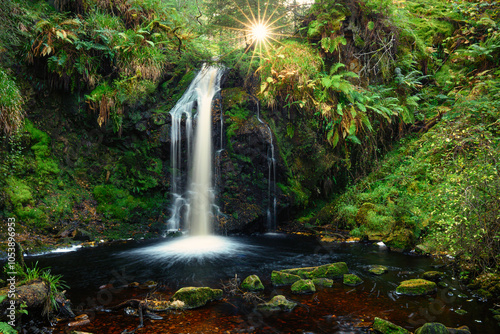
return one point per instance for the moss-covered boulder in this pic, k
(377, 269)
(401, 239)
(387, 327)
(433, 275)
(352, 280)
(194, 297)
(432, 328)
(459, 330)
(326, 282)
(416, 287)
(361, 215)
(281, 278)
(252, 283)
(303, 286)
(278, 303)
(331, 270)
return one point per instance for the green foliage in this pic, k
(115, 203)
(45, 164)
(11, 102)
(5, 328)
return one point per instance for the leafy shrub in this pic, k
(115, 203)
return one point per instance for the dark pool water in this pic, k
(174, 264)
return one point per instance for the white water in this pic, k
(195, 207)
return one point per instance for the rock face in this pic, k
(193, 297)
(432, 328)
(278, 303)
(387, 327)
(352, 280)
(303, 286)
(416, 287)
(252, 283)
(377, 269)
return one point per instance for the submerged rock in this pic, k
(433, 275)
(377, 269)
(387, 327)
(303, 286)
(278, 303)
(326, 282)
(193, 297)
(352, 280)
(432, 328)
(280, 278)
(459, 330)
(331, 270)
(416, 287)
(252, 283)
(461, 312)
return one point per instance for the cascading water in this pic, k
(196, 208)
(271, 210)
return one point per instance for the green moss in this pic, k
(326, 282)
(332, 270)
(432, 328)
(434, 276)
(194, 297)
(303, 286)
(277, 303)
(352, 280)
(114, 202)
(387, 327)
(281, 278)
(19, 192)
(416, 287)
(45, 164)
(378, 269)
(252, 283)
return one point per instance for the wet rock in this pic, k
(377, 269)
(81, 235)
(432, 328)
(459, 330)
(352, 280)
(148, 285)
(278, 303)
(252, 283)
(461, 312)
(331, 270)
(416, 287)
(280, 278)
(303, 286)
(194, 297)
(443, 284)
(387, 327)
(434, 276)
(326, 282)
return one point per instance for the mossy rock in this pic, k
(434, 276)
(303, 286)
(252, 283)
(278, 303)
(326, 282)
(352, 280)
(400, 240)
(387, 327)
(362, 214)
(486, 285)
(432, 328)
(280, 278)
(459, 330)
(194, 297)
(378, 269)
(461, 312)
(416, 287)
(331, 270)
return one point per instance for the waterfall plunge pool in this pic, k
(212, 261)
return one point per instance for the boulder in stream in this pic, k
(352, 280)
(433, 275)
(281, 278)
(326, 282)
(303, 286)
(252, 283)
(377, 269)
(432, 328)
(278, 303)
(416, 287)
(331, 270)
(387, 327)
(194, 297)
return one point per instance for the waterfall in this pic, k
(194, 208)
(271, 179)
